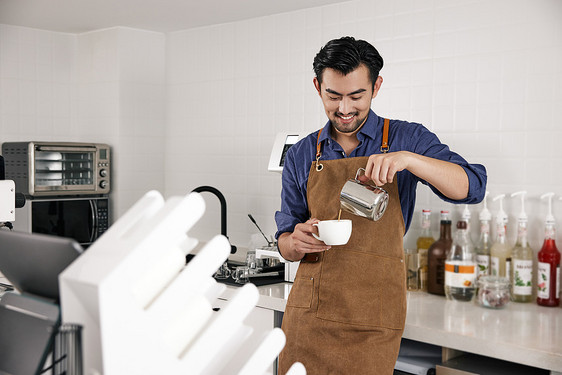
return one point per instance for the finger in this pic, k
(394, 167)
(304, 234)
(369, 167)
(319, 250)
(376, 174)
(363, 178)
(306, 247)
(391, 173)
(304, 228)
(383, 173)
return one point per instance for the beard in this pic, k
(347, 127)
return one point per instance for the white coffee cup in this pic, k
(333, 232)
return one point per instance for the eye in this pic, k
(356, 98)
(334, 98)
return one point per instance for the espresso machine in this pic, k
(268, 257)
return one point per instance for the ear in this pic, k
(377, 86)
(317, 85)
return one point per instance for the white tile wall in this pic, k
(121, 84)
(484, 76)
(202, 106)
(105, 86)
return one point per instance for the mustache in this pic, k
(346, 115)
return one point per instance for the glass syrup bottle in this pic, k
(425, 240)
(500, 252)
(548, 275)
(437, 254)
(522, 259)
(460, 266)
(484, 243)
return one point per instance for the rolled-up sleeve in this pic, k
(429, 145)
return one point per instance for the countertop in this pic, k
(522, 332)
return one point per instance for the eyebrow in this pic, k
(351, 93)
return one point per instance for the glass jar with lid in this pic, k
(493, 292)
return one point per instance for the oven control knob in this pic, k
(103, 184)
(103, 173)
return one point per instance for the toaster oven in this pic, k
(58, 168)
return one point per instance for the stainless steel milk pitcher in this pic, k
(362, 199)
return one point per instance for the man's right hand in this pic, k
(294, 246)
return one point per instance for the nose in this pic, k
(345, 106)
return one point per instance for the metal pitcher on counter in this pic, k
(362, 199)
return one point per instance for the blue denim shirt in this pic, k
(403, 136)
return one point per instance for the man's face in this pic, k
(347, 98)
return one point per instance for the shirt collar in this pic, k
(369, 129)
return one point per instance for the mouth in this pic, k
(346, 119)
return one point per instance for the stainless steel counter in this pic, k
(522, 333)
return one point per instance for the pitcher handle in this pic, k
(358, 172)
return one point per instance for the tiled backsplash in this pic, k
(202, 106)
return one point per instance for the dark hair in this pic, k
(345, 55)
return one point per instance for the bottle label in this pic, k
(543, 280)
(495, 266)
(460, 274)
(483, 262)
(522, 277)
(501, 230)
(440, 272)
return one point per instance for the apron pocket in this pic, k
(301, 293)
(363, 289)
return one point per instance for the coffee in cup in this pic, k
(333, 232)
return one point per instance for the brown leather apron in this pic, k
(347, 307)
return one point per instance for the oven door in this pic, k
(77, 218)
(58, 169)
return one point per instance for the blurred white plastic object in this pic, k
(145, 312)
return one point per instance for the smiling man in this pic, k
(347, 307)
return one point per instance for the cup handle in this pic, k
(315, 236)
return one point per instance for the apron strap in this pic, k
(318, 153)
(384, 146)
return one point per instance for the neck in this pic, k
(348, 141)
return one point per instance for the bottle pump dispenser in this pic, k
(485, 214)
(502, 216)
(522, 215)
(549, 217)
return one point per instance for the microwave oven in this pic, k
(83, 218)
(58, 168)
